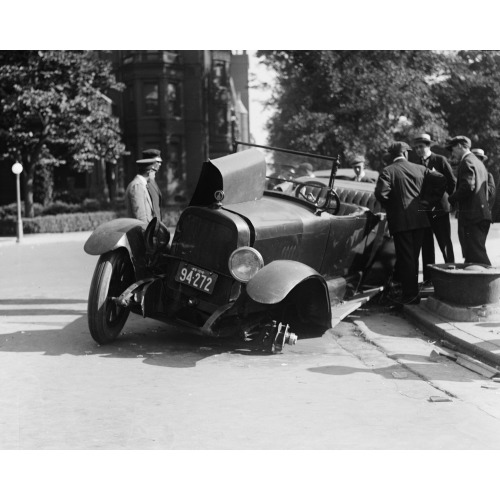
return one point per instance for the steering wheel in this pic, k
(330, 193)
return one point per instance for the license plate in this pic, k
(196, 277)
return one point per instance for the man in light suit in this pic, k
(399, 189)
(153, 188)
(137, 198)
(474, 188)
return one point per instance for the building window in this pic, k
(128, 56)
(151, 99)
(219, 73)
(152, 56)
(174, 99)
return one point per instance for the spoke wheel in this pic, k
(112, 275)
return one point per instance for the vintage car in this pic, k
(254, 263)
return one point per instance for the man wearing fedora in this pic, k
(439, 214)
(398, 190)
(494, 200)
(471, 197)
(137, 197)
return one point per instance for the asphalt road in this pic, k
(158, 388)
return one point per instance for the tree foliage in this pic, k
(54, 111)
(470, 99)
(356, 101)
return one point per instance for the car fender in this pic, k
(304, 286)
(119, 233)
(277, 279)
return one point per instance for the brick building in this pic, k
(189, 104)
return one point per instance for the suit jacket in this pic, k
(474, 187)
(398, 190)
(440, 164)
(156, 197)
(138, 201)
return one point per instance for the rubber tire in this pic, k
(106, 319)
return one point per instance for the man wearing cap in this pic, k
(398, 190)
(153, 188)
(439, 214)
(137, 198)
(358, 165)
(471, 197)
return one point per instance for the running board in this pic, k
(339, 312)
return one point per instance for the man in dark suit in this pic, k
(471, 197)
(494, 172)
(439, 214)
(153, 188)
(398, 190)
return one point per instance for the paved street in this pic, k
(156, 388)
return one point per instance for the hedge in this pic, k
(70, 222)
(62, 223)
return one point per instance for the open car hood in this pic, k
(240, 177)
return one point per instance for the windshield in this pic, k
(285, 169)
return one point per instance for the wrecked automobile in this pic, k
(255, 256)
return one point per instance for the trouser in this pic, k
(441, 229)
(407, 245)
(472, 239)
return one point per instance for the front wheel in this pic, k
(112, 275)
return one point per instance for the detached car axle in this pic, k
(271, 337)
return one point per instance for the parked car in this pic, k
(244, 261)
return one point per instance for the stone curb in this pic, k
(460, 338)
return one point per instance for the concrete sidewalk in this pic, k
(480, 340)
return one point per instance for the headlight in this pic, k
(244, 263)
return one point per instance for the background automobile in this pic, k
(244, 260)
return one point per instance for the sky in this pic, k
(259, 113)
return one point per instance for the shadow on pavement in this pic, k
(487, 325)
(159, 344)
(402, 373)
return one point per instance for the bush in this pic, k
(62, 223)
(61, 207)
(92, 205)
(68, 197)
(11, 210)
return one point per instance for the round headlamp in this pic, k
(245, 263)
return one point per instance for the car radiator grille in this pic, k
(204, 242)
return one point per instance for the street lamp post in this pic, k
(17, 168)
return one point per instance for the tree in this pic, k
(335, 102)
(54, 111)
(470, 99)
